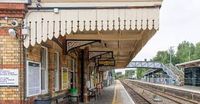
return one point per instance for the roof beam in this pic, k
(126, 49)
(112, 37)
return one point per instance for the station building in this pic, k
(191, 72)
(50, 46)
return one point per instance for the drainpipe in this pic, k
(24, 65)
(22, 68)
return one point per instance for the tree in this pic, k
(162, 56)
(140, 72)
(196, 54)
(129, 73)
(185, 52)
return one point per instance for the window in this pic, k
(44, 70)
(73, 76)
(33, 78)
(56, 69)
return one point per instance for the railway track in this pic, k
(137, 98)
(167, 98)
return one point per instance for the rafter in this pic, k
(112, 37)
(126, 49)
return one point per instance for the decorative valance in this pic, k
(45, 25)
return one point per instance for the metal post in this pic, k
(170, 53)
(189, 51)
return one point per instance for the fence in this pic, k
(166, 81)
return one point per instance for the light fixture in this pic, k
(14, 23)
(12, 32)
(56, 10)
(25, 32)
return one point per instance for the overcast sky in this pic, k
(179, 21)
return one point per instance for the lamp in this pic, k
(12, 32)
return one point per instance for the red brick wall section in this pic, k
(10, 102)
(33, 54)
(12, 10)
(10, 51)
(10, 59)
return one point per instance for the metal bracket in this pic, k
(75, 43)
(94, 54)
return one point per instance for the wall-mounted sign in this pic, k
(106, 62)
(33, 78)
(65, 78)
(9, 77)
(15, 1)
(107, 56)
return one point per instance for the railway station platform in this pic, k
(187, 88)
(165, 93)
(114, 94)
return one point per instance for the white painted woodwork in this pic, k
(50, 24)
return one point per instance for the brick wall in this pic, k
(12, 10)
(11, 51)
(33, 54)
(10, 59)
(12, 55)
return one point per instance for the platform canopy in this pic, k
(123, 27)
(193, 63)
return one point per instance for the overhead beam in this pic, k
(126, 49)
(112, 37)
(121, 56)
(121, 61)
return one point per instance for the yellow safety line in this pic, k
(114, 97)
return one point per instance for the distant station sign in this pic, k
(9, 77)
(15, 1)
(106, 62)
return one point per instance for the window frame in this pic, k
(45, 91)
(57, 80)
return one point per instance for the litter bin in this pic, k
(43, 100)
(74, 94)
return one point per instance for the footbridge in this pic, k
(172, 71)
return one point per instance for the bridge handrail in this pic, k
(172, 71)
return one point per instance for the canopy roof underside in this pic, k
(121, 30)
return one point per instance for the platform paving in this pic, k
(194, 89)
(113, 94)
(121, 96)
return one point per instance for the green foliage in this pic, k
(162, 56)
(129, 73)
(118, 75)
(140, 72)
(197, 51)
(186, 51)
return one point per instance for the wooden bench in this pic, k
(71, 97)
(92, 93)
(47, 99)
